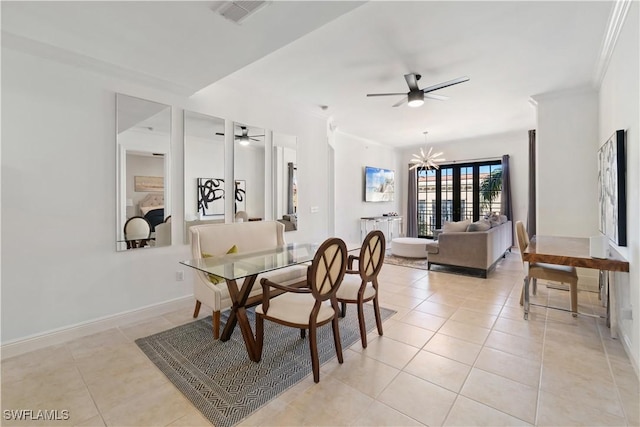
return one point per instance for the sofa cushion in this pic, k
(455, 226)
(214, 278)
(482, 225)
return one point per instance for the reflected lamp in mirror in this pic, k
(143, 144)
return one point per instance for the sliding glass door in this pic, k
(457, 192)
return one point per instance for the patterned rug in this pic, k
(221, 381)
(420, 263)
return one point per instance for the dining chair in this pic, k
(311, 306)
(361, 285)
(137, 232)
(552, 272)
(242, 216)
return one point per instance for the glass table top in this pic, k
(237, 266)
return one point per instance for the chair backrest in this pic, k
(242, 216)
(168, 219)
(523, 237)
(372, 255)
(137, 228)
(327, 269)
(217, 239)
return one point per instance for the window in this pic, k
(457, 192)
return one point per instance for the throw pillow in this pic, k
(482, 225)
(455, 226)
(214, 278)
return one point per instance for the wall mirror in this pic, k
(285, 184)
(143, 144)
(249, 173)
(204, 158)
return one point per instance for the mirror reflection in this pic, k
(203, 170)
(143, 160)
(285, 180)
(249, 173)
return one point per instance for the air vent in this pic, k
(238, 11)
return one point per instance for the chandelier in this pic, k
(427, 159)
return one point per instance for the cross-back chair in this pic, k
(361, 285)
(308, 307)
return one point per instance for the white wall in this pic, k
(351, 156)
(515, 144)
(59, 264)
(567, 175)
(619, 103)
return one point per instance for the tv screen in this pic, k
(379, 184)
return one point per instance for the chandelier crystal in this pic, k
(427, 159)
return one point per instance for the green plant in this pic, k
(490, 187)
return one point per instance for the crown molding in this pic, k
(67, 57)
(614, 26)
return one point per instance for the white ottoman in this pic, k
(409, 247)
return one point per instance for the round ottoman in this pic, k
(409, 247)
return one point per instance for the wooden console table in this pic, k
(572, 251)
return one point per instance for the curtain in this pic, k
(506, 207)
(531, 212)
(412, 204)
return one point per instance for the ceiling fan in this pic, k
(244, 137)
(416, 96)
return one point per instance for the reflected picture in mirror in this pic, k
(285, 180)
(249, 173)
(204, 156)
(143, 143)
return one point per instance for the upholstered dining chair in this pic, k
(137, 232)
(361, 285)
(552, 272)
(308, 307)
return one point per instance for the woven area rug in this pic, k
(420, 263)
(221, 381)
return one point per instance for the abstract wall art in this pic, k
(612, 200)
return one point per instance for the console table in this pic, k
(573, 251)
(391, 226)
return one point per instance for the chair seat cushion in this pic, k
(554, 272)
(350, 286)
(295, 308)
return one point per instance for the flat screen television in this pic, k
(379, 184)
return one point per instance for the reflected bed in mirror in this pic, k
(203, 170)
(285, 180)
(143, 144)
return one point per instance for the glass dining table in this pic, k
(247, 266)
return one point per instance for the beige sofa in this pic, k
(217, 239)
(475, 250)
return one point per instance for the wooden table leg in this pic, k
(238, 314)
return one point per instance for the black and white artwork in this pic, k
(210, 196)
(241, 196)
(612, 189)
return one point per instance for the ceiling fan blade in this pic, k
(386, 94)
(434, 96)
(445, 84)
(402, 101)
(412, 81)
(254, 139)
(218, 133)
(255, 136)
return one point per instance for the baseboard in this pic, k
(79, 330)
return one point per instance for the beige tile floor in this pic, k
(457, 353)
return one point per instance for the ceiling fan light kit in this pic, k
(415, 97)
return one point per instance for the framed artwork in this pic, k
(241, 196)
(210, 196)
(612, 197)
(148, 183)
